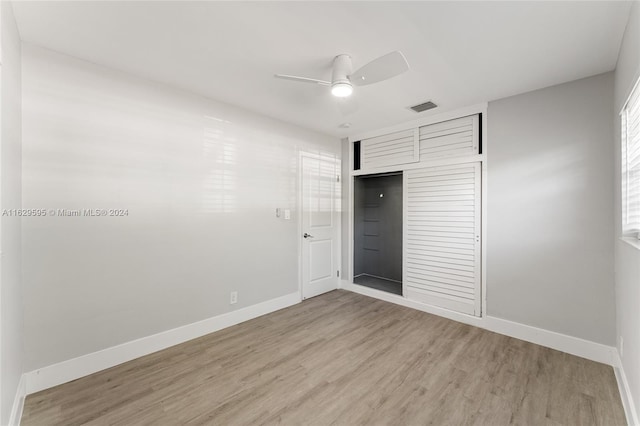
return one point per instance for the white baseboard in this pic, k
(562, 342)
(551, 339)
(18, 402)
(630, 411)
(399, 300)
(57, 374)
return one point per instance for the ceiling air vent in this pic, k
(424, 106)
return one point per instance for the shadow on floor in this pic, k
(389, 286)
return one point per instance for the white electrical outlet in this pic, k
(234, 298)
(621, 347)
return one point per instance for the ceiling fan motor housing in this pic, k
(341, 70)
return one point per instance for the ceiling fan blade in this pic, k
(383, 68)
(303, 79)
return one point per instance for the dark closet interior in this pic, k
(378, 232)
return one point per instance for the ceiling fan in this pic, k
(343, 79)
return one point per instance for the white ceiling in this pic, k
(460, 53)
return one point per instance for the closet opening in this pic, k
(377, 254)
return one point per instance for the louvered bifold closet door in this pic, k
(450, 138)
(390, 150)
(442, 236)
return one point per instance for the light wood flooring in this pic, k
(345, 359)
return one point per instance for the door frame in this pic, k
(336, 213)
(482, 158)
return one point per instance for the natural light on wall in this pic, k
(219, 185)
(631, 163)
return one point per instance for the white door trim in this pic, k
(299, 217)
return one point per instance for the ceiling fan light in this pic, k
(341, 90)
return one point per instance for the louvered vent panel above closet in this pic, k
(390, 150)
(450, 138)
(442, 236)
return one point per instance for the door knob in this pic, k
(307, 235)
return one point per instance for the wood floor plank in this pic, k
(341, 359)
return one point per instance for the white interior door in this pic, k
(319, 224)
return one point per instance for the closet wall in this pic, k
(378, 226)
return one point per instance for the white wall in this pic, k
(11, 329)
(550, 214)
(201, 182)
(627, 258)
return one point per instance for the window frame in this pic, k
(631, 106)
